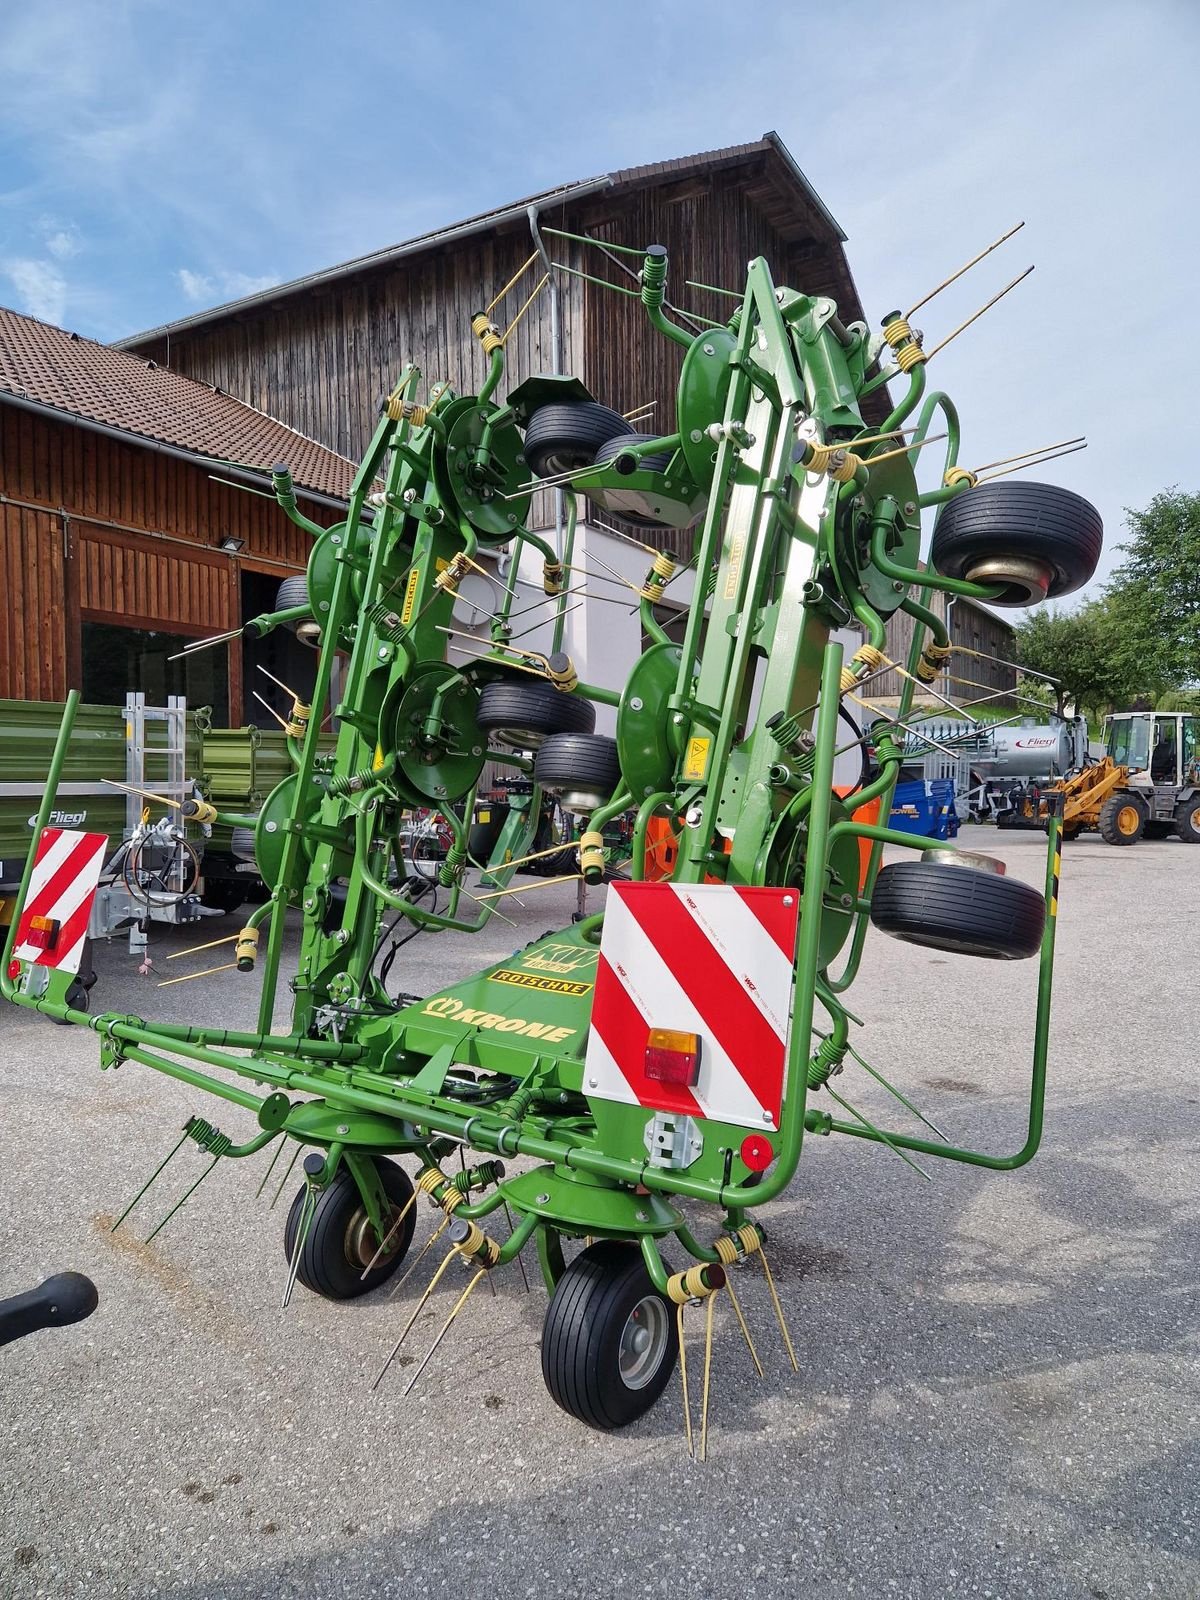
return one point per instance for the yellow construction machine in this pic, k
(1147, 784)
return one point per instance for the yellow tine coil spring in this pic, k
(869, 657)
(904, 344)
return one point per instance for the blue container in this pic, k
(913, 809)
(945, 819)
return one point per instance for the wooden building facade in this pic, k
(117, 549)
(319, 353)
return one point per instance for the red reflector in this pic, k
(673, 1057)
(42, 933)
(757, 1152)
(14, 969)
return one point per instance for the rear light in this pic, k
(673, 1057)
(42, 933)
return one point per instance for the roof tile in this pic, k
(96, 383)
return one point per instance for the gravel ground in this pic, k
(998, 1382)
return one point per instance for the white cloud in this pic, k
(63, 243)
(215, 287)
(237, 284)
(40, 286)
(195, 285)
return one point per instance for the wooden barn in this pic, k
(321, 351)
(130, 526)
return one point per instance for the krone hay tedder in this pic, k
(667, 1051)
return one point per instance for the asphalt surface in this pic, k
(997, 1394)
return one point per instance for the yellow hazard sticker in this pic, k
(410, 597)
(531, 980)
(378, 758)
(695, 762)
(484, 816)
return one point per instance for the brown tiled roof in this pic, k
(90, 382)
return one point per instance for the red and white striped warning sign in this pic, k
(54, 919)
(710, 959)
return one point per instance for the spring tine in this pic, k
(266, 1175)
(708, 1343)
(308, 1211)
(520, 1262)
(687, 1409)
(154, 1176)
(783, 1327)
(742, 1324)
(387, 1238)
(879, 1133)
(445, 1328)
(187, 1195)
(429, 1288)
(892, 1089)
(422, 1253)
(286, 1176)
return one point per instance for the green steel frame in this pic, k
(733, 737)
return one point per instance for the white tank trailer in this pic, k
(996, 763)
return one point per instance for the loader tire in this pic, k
(1122, 819)
(1187, 820)
(962, 909)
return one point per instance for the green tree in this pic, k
(1156, 591)
(1076, 648)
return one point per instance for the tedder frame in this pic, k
(664, 1052)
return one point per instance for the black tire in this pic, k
(658, 462)
(225, 895)
(1187, 820)
(561, 437)
(293, 591)
(603, 1302)
(962, 909)
(1122, 819)
(583, 770)
(341, 1240)
(241, 844)
(521, 715)
(1027, 521)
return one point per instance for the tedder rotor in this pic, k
(666, 1053)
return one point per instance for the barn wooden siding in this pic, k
(321, 358)
(93, 529)
(967, 677)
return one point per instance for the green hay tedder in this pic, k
(668, 1053)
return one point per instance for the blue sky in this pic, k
(158, 157)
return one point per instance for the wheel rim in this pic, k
(644, 1340)
(1127, 820)
(1194, 820)
(361, 1243)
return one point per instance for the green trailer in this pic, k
(676, 1049)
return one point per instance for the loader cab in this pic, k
(1156, 747)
